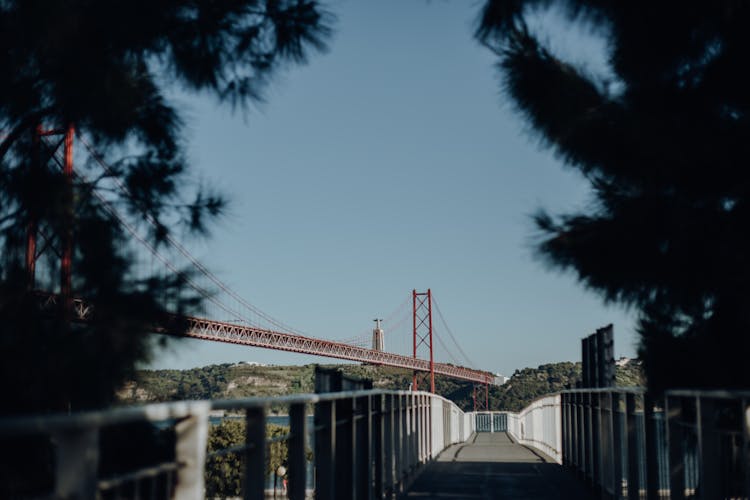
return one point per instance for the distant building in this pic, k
(500, 379)
(623, 361)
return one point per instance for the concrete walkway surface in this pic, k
(491, 466)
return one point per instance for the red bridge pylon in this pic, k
(423, 333)
(61, 244)
(480, 403)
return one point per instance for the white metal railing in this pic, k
(685, 444)
(491, 421)
(539, 426)
(366, 444)
(626, 444)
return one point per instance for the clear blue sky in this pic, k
(392, 162)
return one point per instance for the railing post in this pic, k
(405, 435)
(345, 449)
(673, 414)
(378, 448)
(652, 452)
(297, 451)
(582, 436)
(389, 431)
(634, 484)
(415, 430)
(425, 429)
(596, 441)
(363, 437)
(325, 450)
(77, 462)
(422, 426)
(617, 444)
(745, 415)
(411, 432)
(565, 455)
(587, 436)
(255, 455)
(571, 430)
(709, 446)
(398, 440)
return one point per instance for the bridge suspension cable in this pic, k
(279, 337)
(185, 253)
(450, 333)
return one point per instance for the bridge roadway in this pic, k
(492, 466)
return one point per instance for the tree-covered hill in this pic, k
(245, 380)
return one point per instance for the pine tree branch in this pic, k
(31, 120)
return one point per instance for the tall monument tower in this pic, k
(378, 340)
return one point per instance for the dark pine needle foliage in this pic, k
(109, 68)
(665, 144)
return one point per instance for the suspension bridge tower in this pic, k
(60, 244)
(422, 308)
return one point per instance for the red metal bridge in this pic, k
(224, 316)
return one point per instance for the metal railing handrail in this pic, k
(601, 390)
(30, 424)
(709, 393)
(383, 436)
(23, 425)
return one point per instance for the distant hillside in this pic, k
(244, 380)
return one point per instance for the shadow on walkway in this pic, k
(492, 466)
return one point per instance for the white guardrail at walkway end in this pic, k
(537, 426)
(355, 444)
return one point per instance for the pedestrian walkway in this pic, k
(491, 466)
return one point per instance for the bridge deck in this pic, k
(492, 466)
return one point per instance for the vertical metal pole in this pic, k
(378, 449)
(631, 429)
(565, 431)
(325, 450)
(415, 428)
(617, 443)
(583, 458)
(420, 428)
(587, 411)
(426, 436)
(406, 435)
(363, 433)
(77, 461)
(255, 455)
(673, 414)
(398, 440)
(414, 318)
(596, 451)
(745, 416)
(652, 452)
(389, 431)
(409, 433)
(486, 396)
(432, 362)
(67, 237)
(346, 450)
(574, 433)
(710, 450)
(297, 451)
